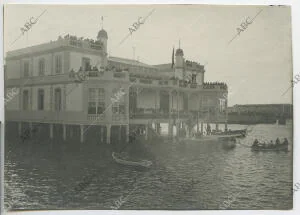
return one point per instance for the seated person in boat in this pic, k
(255, 143)
(277, 141)
(124, 155)
(285, 142)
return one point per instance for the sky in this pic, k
(256, 64)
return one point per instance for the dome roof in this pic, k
(102, 34)
(179, 52)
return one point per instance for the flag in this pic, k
(173, 58)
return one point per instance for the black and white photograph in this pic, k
(148, 107)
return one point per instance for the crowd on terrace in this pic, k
(78, 41)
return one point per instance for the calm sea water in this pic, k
(191, 176)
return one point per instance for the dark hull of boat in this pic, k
(279, 148)
(139, 164)
(235, 133)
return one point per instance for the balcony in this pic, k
(146, 81)
(95, 117)
(119, 75)
(119, 117)
(163, 82)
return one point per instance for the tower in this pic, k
(179, 64)
(102, 37)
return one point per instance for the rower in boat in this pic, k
(271, 146)
(255, 142)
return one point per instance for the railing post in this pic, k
(81, 133)
(64, 132)
(20, 128)
(108, 127)
(51, 131)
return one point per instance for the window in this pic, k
(40, 99)
(57, 99)
(118, 101)
(26, 69)
(96, 101)
(86, 64)
(25, 100)
(42, 67)
(222, 105)
(58, 64)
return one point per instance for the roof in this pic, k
(129, 62)
(179, 52)
(102, 33)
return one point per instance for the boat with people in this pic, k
(278, 146)
(123, 159)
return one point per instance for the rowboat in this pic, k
(141, 163)
(274, 147)
(210, 138)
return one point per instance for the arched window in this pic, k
(42, 67)
(57, 99)
(40, 99)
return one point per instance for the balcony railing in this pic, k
(163, 82)
(119, 117)
(132, 79)
(119, 75)
(146, 81)
(95, 117)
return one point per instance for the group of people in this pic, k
(271, 144)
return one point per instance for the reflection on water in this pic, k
(194, 176)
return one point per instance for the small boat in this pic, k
(270, 147)
(235, 133)
(124, 161)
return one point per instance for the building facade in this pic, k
(71, 82)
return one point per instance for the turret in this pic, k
(102, 37)
(179, 64)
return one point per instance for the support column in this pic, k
(108, 127)
(120, 133)
(64, 132)
(217, 126)
(71, 131)
(102, 134)
(202, 128)
(146, 131)
(177, 128)
(20, 128)
(226, 128)
(197, 123)
(187, 131)
(51, 131)
(170, 128)
(127, 133)
(170, 103)
(157, 100)
(157, 128)
(81, 133)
